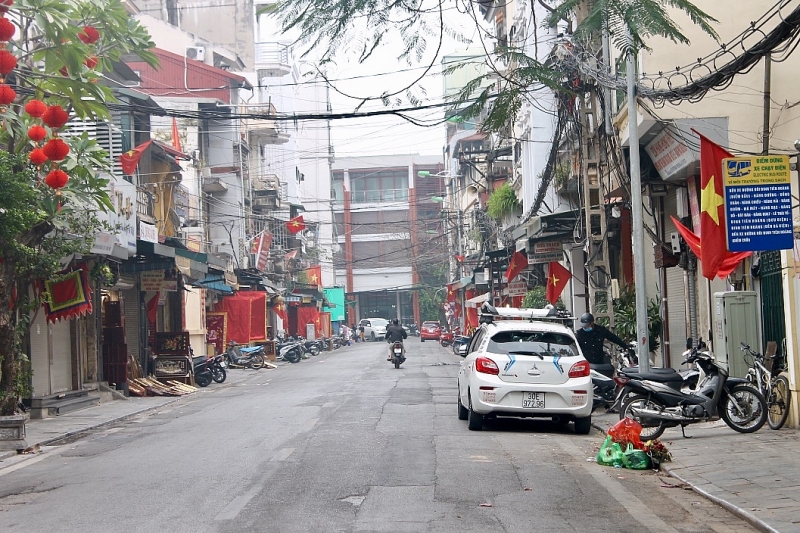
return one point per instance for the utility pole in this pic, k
(640, 285)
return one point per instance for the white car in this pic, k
(374, 328)
(525, 369)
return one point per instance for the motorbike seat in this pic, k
(605, 369)
(661, 377)
(249, 349)
(635, 370)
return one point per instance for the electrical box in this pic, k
(736, 319)
(675, 241)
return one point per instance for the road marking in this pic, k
(633, 505)
(282, 454)
(233, 509)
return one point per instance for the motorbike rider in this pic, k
(590, 338)
(395, 333)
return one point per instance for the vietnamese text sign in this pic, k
(545, 251)
(758, 203)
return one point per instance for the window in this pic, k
(539, 343)
(380, 186)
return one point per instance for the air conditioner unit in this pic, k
(198, 53)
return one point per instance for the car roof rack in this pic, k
(489, 313)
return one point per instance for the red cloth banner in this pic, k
(308, 315)
(130, 159)
(471, 313)
(325, 324)
(217, 331)
(557, 279)
(729, 262)
(712, 207)
(247, 316)
(67, 295)
(261, 247)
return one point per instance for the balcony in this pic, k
(264, 130)
(265, 201)
(272, 59)
(214, 184)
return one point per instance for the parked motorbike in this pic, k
(446, 338)
(291, 350)
(397, 354)
(202, 372)
(313, 347)
(658, 406)
(218, 373)
(244, 356)
(459, 341)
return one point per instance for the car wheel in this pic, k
(474, 420)
(421, 339)
(463, 412)
(372, 336)
(583, 425)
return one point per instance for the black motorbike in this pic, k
(203, 375)
(658, 406)
(397, 354)
(218, 372)
(244, 356)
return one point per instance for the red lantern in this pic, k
(8, 62)
(56, 149)
(37, 156)
(7, 30)
(89, 35)
(7, 94)
(56, 178)
(36, 133)
(35, 108)
(5, 4)
(55, 116)
(91, 62)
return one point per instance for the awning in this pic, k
(477, 300)
(215, 283)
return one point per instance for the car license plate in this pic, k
(533, 400)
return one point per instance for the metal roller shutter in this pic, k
(40, 355)
(131, 323)
(677, 300)
(62, 355)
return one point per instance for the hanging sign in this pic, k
(758, 203)
(151, 280)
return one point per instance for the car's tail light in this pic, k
(485, 365)
(580, 370)
(621, 380)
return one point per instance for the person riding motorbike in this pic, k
(395, 333)
(590, 338)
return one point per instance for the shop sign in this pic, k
(545, 251)
(758, 203)
(148, 232)
(517, 288)
(151, 280)
(292, 299)
(669, 155)
(123, 218)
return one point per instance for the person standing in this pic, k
(591, 337)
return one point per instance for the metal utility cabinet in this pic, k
(736, 320)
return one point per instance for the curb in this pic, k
(734, 509)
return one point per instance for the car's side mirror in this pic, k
(462, 350)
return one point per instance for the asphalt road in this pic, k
(340, 442)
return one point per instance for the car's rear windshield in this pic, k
(378, 321)
(430, 324)
(536, 343)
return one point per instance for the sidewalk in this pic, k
(756, 476)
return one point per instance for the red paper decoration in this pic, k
(7, 30)
(36, 133)
(56, 178)
(35, 108)
(89, 35)
(55, 116)
(37, 156)
(8, 62)
(5, 4)
(7, 94)
(56, 149)
(91, 62)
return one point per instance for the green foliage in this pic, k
(536, 298)
(625, 318)
(502, 202)
(430, 304)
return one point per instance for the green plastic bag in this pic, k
(610, 454)
(635, 459)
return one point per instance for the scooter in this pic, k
(459, 341)
(291, 350)
(657, 406)
(244, 356)
(397, 354)
(218, 373)
(202, 372)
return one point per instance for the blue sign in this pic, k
(758, 203)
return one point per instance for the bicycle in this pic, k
(766, 375)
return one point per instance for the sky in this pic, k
(386, 134)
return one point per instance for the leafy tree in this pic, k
(362, 26)
(50, 190)
(536, 298)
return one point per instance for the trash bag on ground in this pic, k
(610, 453)
(627, 431)
(635, 459)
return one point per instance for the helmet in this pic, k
(394, 321)
(587, 318)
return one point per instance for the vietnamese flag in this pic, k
(451, 292)
(713, 238)
(314, 275)
(518, 263)
(296, 225)
(557, 279)
(130, 159)
(280, 311)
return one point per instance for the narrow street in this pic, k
(339, 442)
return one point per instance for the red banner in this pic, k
(67, 295)
(217, 331)
(308, 315)
(247, 316)
(471, 313)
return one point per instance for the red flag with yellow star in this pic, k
(130, 159)
(280, 310)
(314, 275)
(557, 278)
(712, 207)
(296, 225)
(518, 263)
(451, 292)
